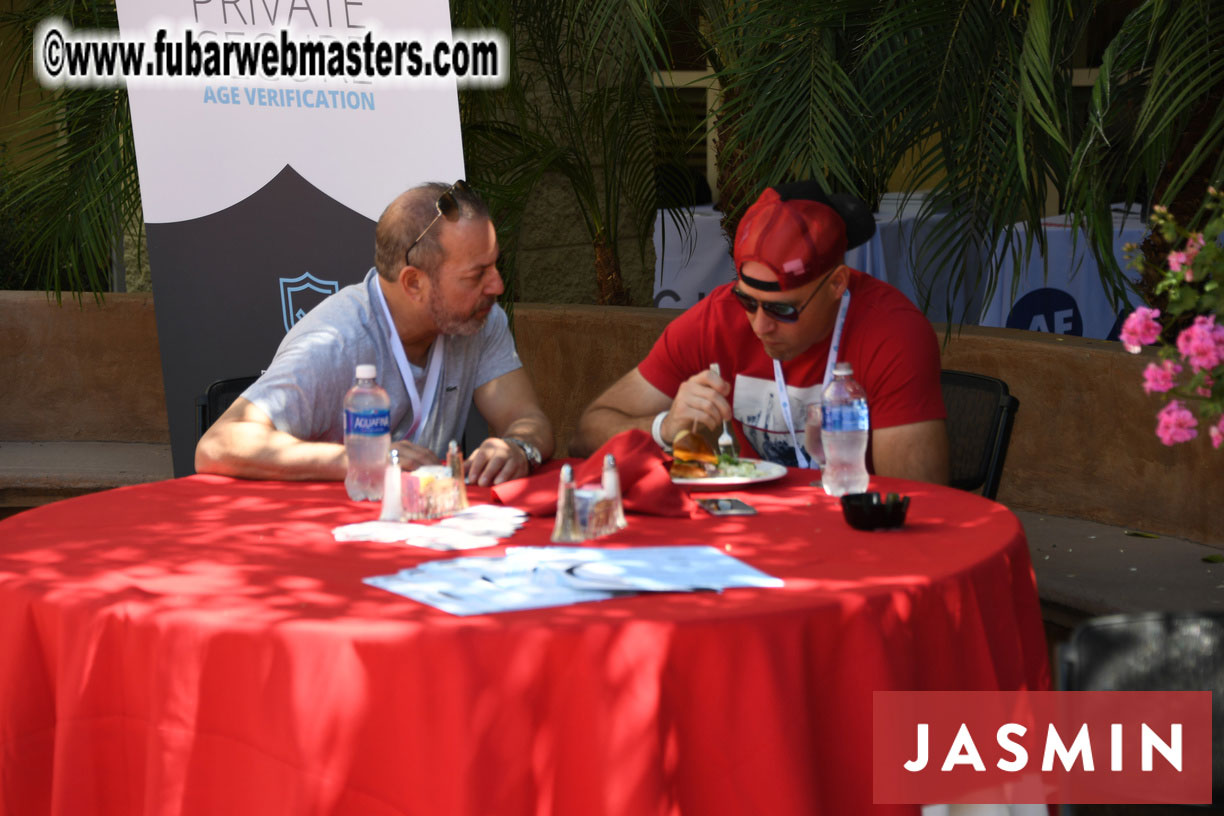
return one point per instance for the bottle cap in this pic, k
(366, 371)
(843, 369)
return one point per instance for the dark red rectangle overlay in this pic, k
(1049, 747)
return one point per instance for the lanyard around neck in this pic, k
(420, 409)
(830, 362)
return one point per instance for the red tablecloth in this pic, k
(204, 646)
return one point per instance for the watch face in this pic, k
(529, 450)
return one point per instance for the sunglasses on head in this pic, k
(447, 207)
(780, 311)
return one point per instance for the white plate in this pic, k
(766, 472)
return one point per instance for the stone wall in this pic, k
(556, 260)
(1084, 442)
(80, 371)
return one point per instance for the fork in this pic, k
(726, 445)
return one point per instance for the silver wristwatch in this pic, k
(529, 450)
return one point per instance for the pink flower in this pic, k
(1140, 329)
(1204, 390)
(1180, 261)
(1193, 246)
(1202, 343)
(1158, 379)
(1216, 432)
(1175, 424)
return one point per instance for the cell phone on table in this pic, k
(727, 507)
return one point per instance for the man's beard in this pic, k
(456, 324)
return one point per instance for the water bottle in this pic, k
(844, 426)
(367, 436)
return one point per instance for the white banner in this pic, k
(261, 193)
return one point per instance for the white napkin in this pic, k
(478, 526)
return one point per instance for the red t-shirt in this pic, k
(890, 344)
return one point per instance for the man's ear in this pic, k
(840, 280)
(414, 282)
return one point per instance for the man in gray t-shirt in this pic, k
(426, 316)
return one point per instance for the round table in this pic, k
(204, 646)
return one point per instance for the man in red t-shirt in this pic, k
(793, 303)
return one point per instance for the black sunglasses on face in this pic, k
(447, 207)
(782, 312)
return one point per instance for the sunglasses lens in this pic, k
(749, 304)
(448, 208)
(784, 312)
(447, 205)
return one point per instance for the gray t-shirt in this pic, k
(303, 389)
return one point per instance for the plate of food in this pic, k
(696, 465)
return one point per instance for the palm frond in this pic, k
(1155, 124)
(580, 104)
(73, 171)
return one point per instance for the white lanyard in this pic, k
(419, 411)
(780, 381)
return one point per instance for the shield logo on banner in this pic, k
(301, 294)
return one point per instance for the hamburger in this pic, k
(693, 458)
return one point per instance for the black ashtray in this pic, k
(867, 511)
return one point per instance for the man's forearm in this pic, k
(251, 451)
(534, 428)
(600, 424)
(918, 451)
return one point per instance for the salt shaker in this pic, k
(566, 529)
(454, 462)
(393, 491)
(611, 487)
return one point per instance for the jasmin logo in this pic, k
(964, 750)
(1105, 747)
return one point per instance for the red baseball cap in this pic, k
(797, 238)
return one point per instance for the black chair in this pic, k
(1152, 651)
(219, 396)
(980, 415)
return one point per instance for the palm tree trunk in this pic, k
(608, 278)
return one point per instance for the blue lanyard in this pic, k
(420, 409)
(830, 362)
